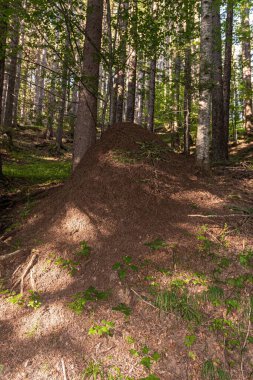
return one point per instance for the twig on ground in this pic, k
(221, 216)
(63, 369)
(142, 299)
(245, 342)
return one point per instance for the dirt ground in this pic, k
(168, 247)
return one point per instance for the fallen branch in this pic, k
(143, 300)
(245, 343)
(10, 255)
(63, 369)
(221, 216)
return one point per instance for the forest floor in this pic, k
(135, 268)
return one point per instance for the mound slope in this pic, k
(128, 190)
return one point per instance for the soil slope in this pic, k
(127, 191)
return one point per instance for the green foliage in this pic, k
(34, 300)
(179, 303)
(232, 305)
(210, 371)
(190, 340)
(37, 170)
(222, 325)
(246, 258)
(123, 308)
(150, 377)
(16, 299)
(69, 265)
(124, 267)
(152, 151)
(85, 249)
(156, 244)
(240, 281)
(106, 328)
(90, 294)
(214, 294)
(205, 244)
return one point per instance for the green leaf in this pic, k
(156, 244)
(156, 356)
(190, 340)
(145, 350)
(146, 362)
(123, 308)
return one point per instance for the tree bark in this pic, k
(187, 100)
(228, 67)
(246, 62)
(204, 117)
(122, 71)
(219, 140)
(151, 99)
(86, 122)
(131, 91)
(10, 98)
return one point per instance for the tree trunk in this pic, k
(122, 71)
(219, 141)
(187, 100)
(64, 86)
(204, 117)
(151, 99)
(86, 122)
(131, 91)
(3, 34)
(10, 98)
(246, 62)
(228, 67)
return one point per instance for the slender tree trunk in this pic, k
(187, 100)
(3, 34)
(64, 86)
(86, 122)
(219, 141)
(228, 67)
(141, 96)
(246, 62)
(151, 99)
(204, 117)
(122, 71)
(10, 98)
(131, 91)
(18, 77)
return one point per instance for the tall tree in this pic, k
(12, 72)
(246, 63)
(219, 141)
(204, 117)
(86, 121)
(228, 67)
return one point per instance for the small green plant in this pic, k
(123, 267)
(156, 244)
(34, 300)
(211, 371)
(106, 328)
(150, 377)
(123, 308)
(214, 294)
(232, 305)
(90, 294)
(222, 325)
(190, 340)
(16, 299)
(246, 258)
(69, 265)
(152, 151)
(205, 244)
(85, 250)
(179, 303)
